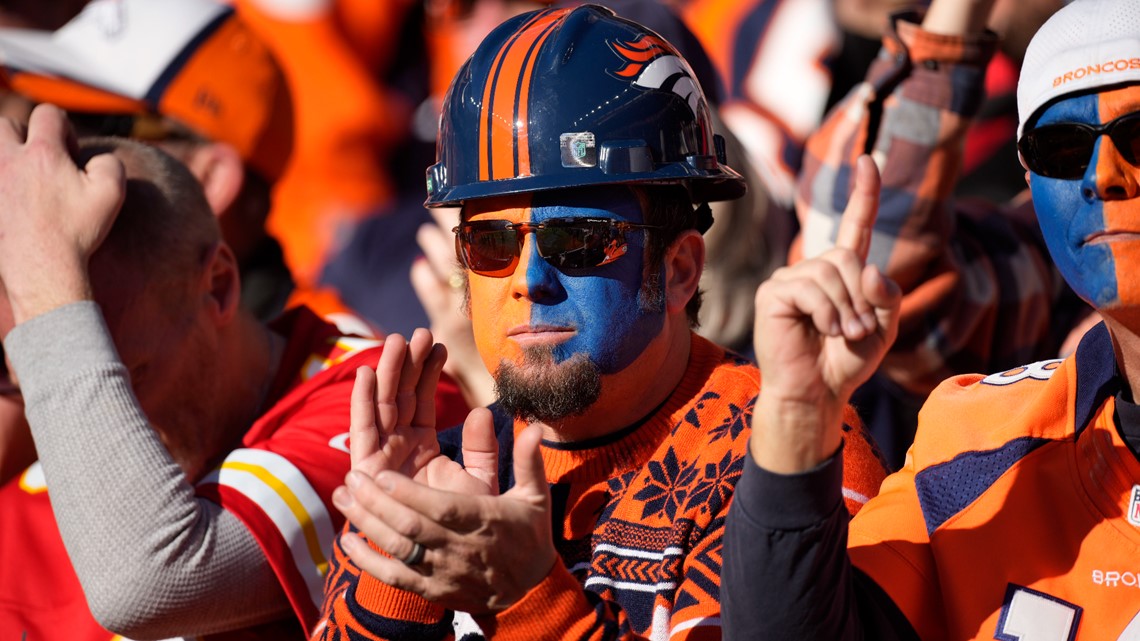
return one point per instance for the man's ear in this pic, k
(220, 170)
(684, 262)
(221, 284)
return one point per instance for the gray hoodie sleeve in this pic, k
(154, 560)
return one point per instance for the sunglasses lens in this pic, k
(1058, 151)
(573, 245)
(491, 248)
(1126, 137)
(490, 252)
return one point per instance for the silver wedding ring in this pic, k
(416, 556)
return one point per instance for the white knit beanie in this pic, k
(1085, 45)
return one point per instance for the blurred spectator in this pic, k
(774, 59)
(207, 91)
(347, 122)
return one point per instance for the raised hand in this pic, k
(392, 421)
(822, 328)
(392, 436)
(479, 554)
(392, 417)
(55, 213)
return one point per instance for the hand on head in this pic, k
(822, 328)
(56, 213)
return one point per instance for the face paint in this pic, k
(1092, 225)
(594, 312)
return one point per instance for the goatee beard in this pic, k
(541, 390)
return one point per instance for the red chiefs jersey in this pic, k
(1017, 514)
(279, 483)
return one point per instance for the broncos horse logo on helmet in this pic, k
(542, 105)
(652, 64)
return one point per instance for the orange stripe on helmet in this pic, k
(522, 121)
(484, 118)
(501, 113)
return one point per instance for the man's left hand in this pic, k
(480, 553)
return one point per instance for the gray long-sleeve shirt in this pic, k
(154, 559)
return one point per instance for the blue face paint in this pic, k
(601, 303)
(1069, 211)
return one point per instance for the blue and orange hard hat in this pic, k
(563, 98)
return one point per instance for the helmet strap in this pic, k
(704, 217)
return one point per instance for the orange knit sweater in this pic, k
(638, 521)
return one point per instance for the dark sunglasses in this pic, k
(492, 247)
(1064, 150)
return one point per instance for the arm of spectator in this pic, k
(822, 327)
(151, 556)
(791, 531)
(976, 284)
(154, 560)
(441, 285)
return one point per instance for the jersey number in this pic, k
(1039, 371)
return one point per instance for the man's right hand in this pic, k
(392, 430)
(392, 422)
(55, 213)
(822, 328)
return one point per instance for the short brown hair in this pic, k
(165, 225)
(671, 208)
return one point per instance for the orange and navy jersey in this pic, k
(638, 518)
(1017, 515)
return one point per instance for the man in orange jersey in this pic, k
(1017, 513)
(592, 504)
(190, 450)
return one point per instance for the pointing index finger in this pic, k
(859, 218)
